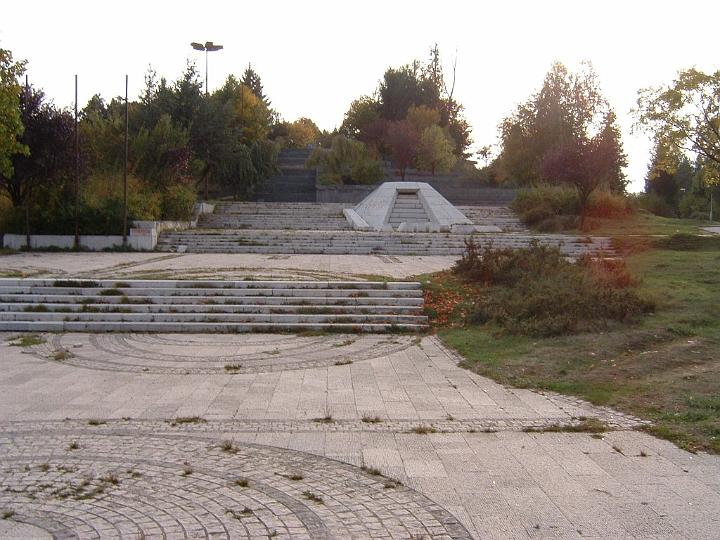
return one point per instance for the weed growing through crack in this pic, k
(74, 445)
(344, 362)
(96, 422)
(231, 368)
(7, 514)
(423, 430)
(345, 343)
(28, 340)
(309, 495)
(327, 419)
(187, 469)
(44, 467)
(242, 482)
(228, 447)
(643, 453)
(618, 449)
(371, 471)
(186, 420)
(372, 419)
(61, 355)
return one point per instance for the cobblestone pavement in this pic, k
(399, 443)
(217, 265)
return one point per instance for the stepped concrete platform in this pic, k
(254, 215)
(210, 306)
(361, 242)
(293, 182)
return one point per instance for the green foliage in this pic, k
(537, 292)
(686, 116)
(48, 134)
(301, 133)
(11, 126)
(178, 203)
(416, 92)
(565, 133)
(345, 162)
(557, 208)
(435, 151)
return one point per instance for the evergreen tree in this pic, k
(252, 80)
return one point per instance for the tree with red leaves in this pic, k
(403, 140)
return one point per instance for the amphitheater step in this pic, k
(209, 306)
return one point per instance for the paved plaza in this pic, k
(327, 436)
(311, 435)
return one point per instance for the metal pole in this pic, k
(711, 203)
(27, 199)
(125, 168)
(206, 71)
(77, 171)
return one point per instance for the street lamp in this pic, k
(208, 47)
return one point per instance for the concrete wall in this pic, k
(144, 241)
(458, 192)
(143, 235)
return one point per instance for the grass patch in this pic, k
(232, 368)
(242, 482)
(27, 340)
(344, 362)
(662, 366)
(372, 419)
(111, 292)
(327, 419)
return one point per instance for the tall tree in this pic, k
(403, 139)
(585, 162)
(561, 118)
(686, 115)
(11, 127)
(252, 80)
(48, 134)
(435, 150)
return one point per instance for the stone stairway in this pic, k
(366, 243)
(408, 208)
(275, 215)
(294, 183)
(498, 216)
(46, 305)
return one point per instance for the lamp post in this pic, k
(209, 46)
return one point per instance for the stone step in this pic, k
(215, 308)
(194, 327)
(208, 284)
(227, 300)
(236, 318)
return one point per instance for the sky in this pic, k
(315, 57)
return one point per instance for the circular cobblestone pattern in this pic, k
(216, 353)
(80, 485)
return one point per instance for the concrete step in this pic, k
(194, 327)
(208, 305)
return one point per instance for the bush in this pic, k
(603, 204)
(653, 203)
(347, 161)
(557, 208)
(178, 203)
(697, 206)
(537, 292)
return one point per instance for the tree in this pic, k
(252, 80)
(48, 134)
(403, 139)
(423, 117)
(560, 119)
(585, 162)
(435, 150)
(686, 115)
(346, 161)
(301, 133)
(11, 126)
(361, 114)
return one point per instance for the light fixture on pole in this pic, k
(209, 46)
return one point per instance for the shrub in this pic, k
(653, 203)
(178, 203)
(609, 205)
(697, 206)
(537, 292)
(544, 204)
